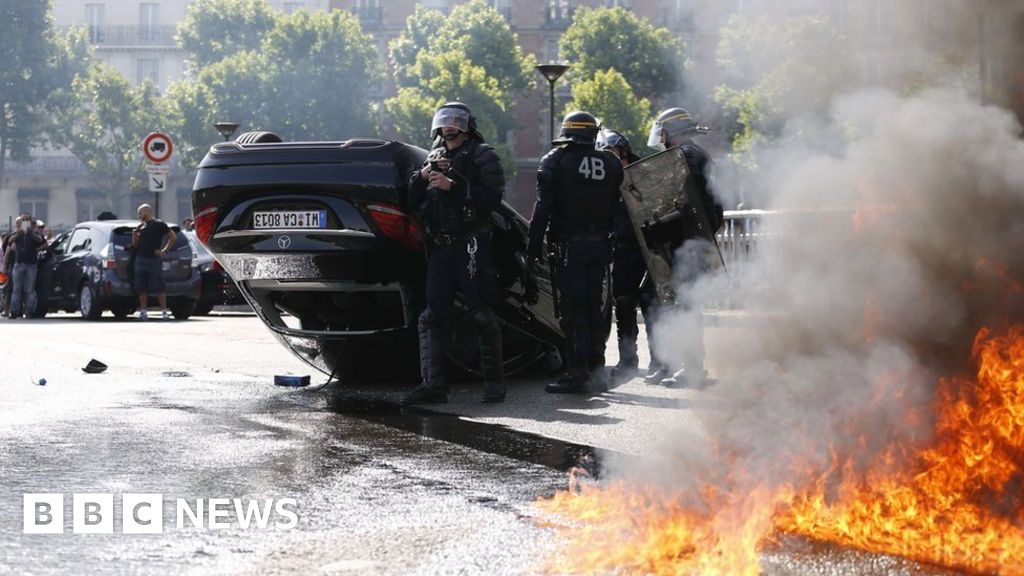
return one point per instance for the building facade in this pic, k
(138, 38)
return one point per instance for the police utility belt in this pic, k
(448, 239)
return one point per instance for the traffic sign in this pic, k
(157, 147)
(157, 169)
(157, 182)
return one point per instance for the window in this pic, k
(94, 20)
(34, 201)
(368, 11)
(149, 19)
(79, 240)
(559, 11)
(679, 13)
(618, 4)
(551, 49)
(91, 203)
(291, 7)
(148, 69)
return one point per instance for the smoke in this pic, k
(899, 234)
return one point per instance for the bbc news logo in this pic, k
(144, 513)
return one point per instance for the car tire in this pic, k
(182, 309)
(88, 306)
(258, 137)
(202, 309)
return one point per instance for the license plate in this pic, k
(262, 220)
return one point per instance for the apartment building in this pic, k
(138, 38)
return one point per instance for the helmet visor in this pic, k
(655, 137)
(608, 139)
(452, 118)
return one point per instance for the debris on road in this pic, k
(94, 367)
(291, 381)
(175, 374)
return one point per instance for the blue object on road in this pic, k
(291, 381)
(42, 382)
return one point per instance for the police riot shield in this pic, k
(654, 192)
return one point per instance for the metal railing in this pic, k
(740, 240)
(131, 35)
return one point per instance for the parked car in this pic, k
(217, 287)
(317, 236)
(90, 268)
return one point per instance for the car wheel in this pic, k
(202, 309)
(121, 311)
(88, 306)
(182, 309)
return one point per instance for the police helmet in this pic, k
(608, 139)
(671, 122)
(579, 127)
(455, 115)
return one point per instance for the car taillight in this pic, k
(215, 266)
(107, 255)
(396, 225)
(204, 222)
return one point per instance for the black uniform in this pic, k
(628, 269)
(460, 256)
(577, 187)
(676, 233)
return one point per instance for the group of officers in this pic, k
(580, 211)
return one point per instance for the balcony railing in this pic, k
(47, 166)
(131, 35)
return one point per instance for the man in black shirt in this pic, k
(151, 239)
(26, 243)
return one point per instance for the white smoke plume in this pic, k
(900, 233)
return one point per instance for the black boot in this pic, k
(568, 384)
(625, 371)
(433, 389)
(491, 359)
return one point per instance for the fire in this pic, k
(957, 501)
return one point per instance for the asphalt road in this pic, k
(187, 411)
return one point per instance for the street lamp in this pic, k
(552, 72)
(226, 129)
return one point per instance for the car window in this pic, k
(121, 236)
(180, 240)
(61, 243)
(200, 249)
(79, 239)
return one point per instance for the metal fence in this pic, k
(740, 240)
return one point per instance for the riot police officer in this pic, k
(628, 267)
(674, 127)
(577, 187)
(453, 194)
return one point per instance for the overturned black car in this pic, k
(318, 239)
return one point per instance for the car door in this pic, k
(48, 276)
(69, 268)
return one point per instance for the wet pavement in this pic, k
(187, 410)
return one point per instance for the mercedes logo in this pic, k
(284, 242)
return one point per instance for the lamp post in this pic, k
(552, 72)
(226, 129)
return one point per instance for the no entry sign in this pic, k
(157, 147)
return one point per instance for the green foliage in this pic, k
(104, 123)
(651, 59)
(471, 56)
(37, 61)
(775, 71)
(310, 79)
(215, 29)
(609, 97)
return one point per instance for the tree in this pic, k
(650, 59)
(420, 28)
(773, 72)
(36, 62)
(609, 97)
(104, 125)
(298, 83)
(215, 29)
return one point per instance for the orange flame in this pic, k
(957, 502)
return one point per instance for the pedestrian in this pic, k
(674, 127)
(151, 239)
(26, 244)
(628, 268)
(187, 224)
(7, 267)
(577, 188)
(453, 195)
